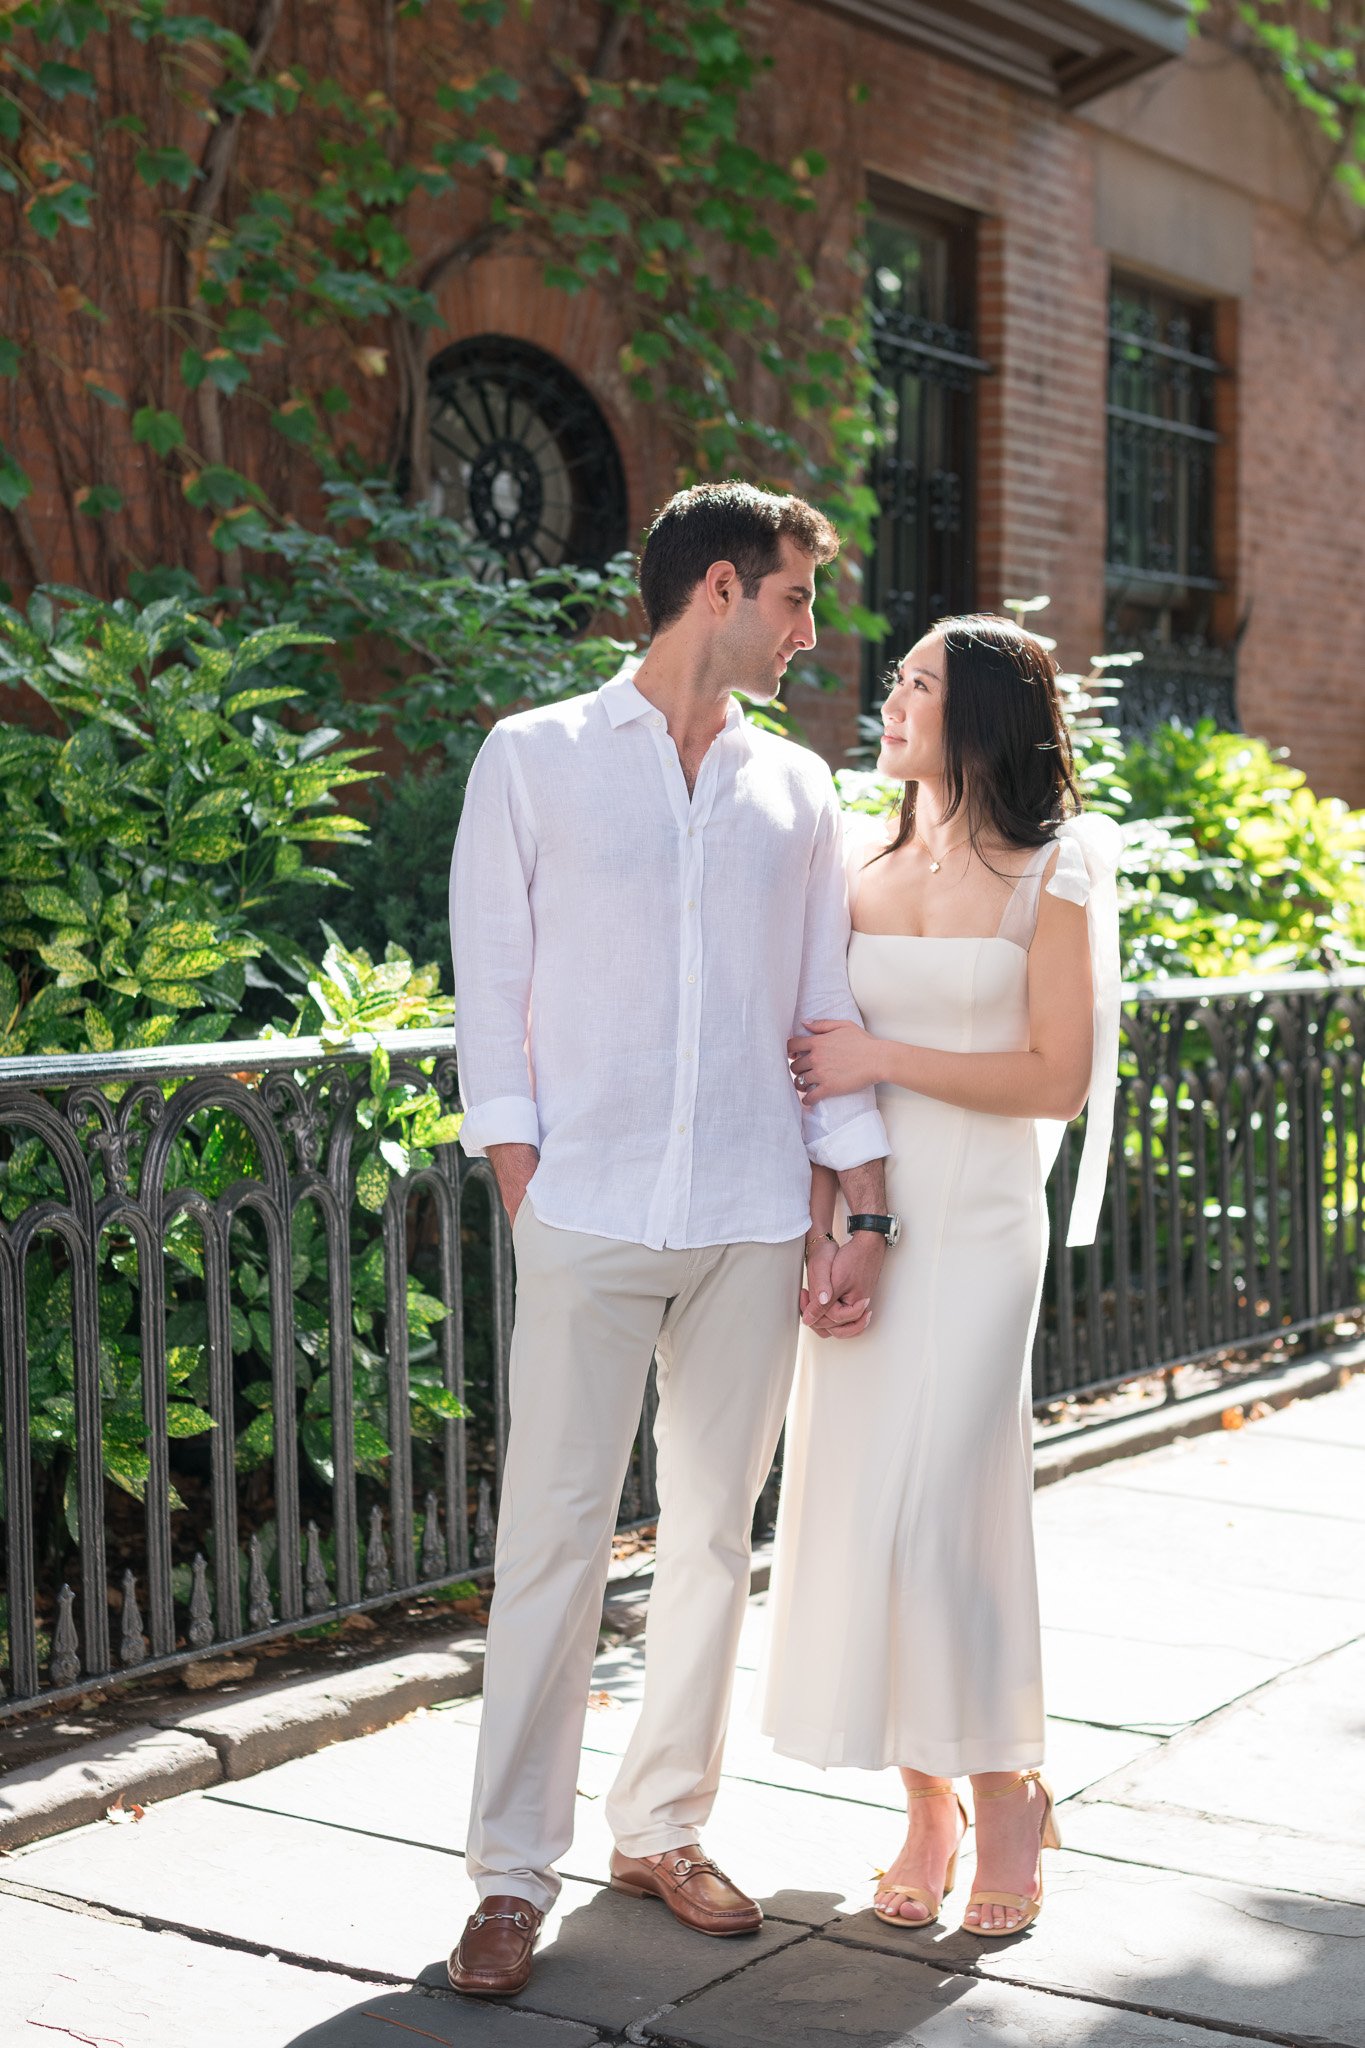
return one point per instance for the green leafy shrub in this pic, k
(1267, 876)
(422, 618)
(144, 843)
(397, 877)
(146, 848)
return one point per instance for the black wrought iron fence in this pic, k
(1233, 1209)
(238, 1402)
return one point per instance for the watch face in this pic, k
(894, 1232)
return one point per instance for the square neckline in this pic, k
(1032, 875)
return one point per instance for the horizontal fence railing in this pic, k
(238, 1402)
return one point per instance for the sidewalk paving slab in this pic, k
(348, 1900)
(1156, 1688)
(72, 1976)
(1237, 1851)
(1338, 1421)
(1202, 1950)
(826, 1994)
(1258, 1469)
(1270, 1788)
(393, 2018)
(1288, 1756)
(1163, 1603)
(1189, 1901)
(611, 1961)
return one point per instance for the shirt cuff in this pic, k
(509, 1120)
(853, 1144)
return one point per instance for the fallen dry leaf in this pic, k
(403, 2027)
(600, 1699)
(216, 1671)
(1233, 1418)
(357, 1625)
(1259, 1410)
(118, 1813)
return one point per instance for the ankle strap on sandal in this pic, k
(930, 1791)
(1024, 1778)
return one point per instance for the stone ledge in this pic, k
(271, 1724)
(138, 1766)
(1101, 1443)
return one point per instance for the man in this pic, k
(647, 896)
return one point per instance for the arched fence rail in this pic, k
(232, 1391)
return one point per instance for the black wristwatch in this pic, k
(889, 1226)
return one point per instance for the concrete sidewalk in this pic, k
(1204, 1611)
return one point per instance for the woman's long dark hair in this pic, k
(1006, 750)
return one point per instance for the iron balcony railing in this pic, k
(230, 1389)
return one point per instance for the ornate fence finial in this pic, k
(258, 1609)
(433, 1542)
(132, 1648)
(66, 1661)
(485, 1529)
(316, 1593)
(199, 1634)
(378, 1578)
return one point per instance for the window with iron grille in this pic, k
(1160, 569)
(523, 458)
(923, 561)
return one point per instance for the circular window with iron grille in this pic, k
(523, 458)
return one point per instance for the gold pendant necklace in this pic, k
(935, 865)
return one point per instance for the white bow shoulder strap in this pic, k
(1100, 845)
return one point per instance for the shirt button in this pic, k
(690, 904)
(691, 833)
(681, 1129)
(656, 723)
(691, 979)
(687, 1055)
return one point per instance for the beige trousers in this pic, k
(590, 1313)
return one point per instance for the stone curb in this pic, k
(81, 1784)
(1104, 1442)
(184, 1749)
(253, 1731)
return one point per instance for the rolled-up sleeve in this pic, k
(843, 1130)
(491, 946)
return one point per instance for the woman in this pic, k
(984, 957)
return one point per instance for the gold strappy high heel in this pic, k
(932, 1906)
(1028, 1908)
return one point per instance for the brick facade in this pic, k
(1289, 522)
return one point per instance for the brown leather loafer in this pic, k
(692, 1888)
(493, 1958)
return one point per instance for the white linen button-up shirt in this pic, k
(630, 963)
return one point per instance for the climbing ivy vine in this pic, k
(1314, 51)
(229, 229)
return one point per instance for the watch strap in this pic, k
(869, 1222)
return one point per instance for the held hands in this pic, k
(837, 1298)
(836, 1058)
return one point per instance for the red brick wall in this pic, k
(1023, 168)
(1290, 525)
(1301, 461)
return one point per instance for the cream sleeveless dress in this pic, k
(904, 1605)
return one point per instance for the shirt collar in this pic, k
(623, 703)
